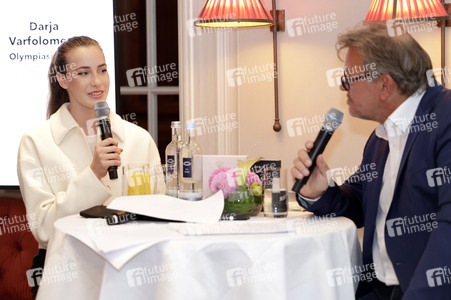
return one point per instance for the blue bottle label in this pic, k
(171, 164)
(187, 167)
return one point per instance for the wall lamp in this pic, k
(247, 13)
(419, 10)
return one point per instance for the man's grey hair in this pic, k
(399, 56)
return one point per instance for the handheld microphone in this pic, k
(102, 112)
(332, 120)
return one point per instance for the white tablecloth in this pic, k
(302, 258)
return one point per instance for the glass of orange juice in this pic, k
(137, 179)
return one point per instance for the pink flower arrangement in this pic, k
(228, 180)
(223, 179)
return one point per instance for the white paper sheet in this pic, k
(169, 208)
(117, 243)
(255, 226)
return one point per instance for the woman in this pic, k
(62, 164)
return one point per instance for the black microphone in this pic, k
(102, 112)
(332, 120)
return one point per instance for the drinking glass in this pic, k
(137, 179)
(275, 201)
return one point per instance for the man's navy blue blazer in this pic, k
(418, 227)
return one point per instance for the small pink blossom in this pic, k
(251, 178)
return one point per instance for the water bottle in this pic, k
(190, 166)
(172, 154)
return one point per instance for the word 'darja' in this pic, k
(43, 27)
(35, 26)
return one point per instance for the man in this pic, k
(406, 210)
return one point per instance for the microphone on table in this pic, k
(332, 120)
(102, 112)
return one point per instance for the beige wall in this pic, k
(304, 89)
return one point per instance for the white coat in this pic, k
(54, 169)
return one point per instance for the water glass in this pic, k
(275, 202)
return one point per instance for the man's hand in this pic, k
(317, 183)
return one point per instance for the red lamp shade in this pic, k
(234, 13)
(381, 10)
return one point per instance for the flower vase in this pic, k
(242, 202)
